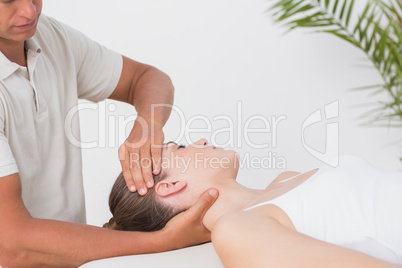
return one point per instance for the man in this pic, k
(45, 67)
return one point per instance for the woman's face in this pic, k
(195, 167)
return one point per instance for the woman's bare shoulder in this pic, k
(236, 236)
(233, 222)
(238, 219)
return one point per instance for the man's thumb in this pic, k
(206, 200)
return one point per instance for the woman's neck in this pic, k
(236, 197)
(232, 197)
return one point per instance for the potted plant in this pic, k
(377, 32)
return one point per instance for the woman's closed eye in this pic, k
(181, 146)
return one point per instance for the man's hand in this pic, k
(187, 229)
(151, 92)
(140, 155)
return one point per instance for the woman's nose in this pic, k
(27, 9)
(201, 143)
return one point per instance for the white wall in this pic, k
(221, 52)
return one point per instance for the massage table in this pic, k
(200, 256)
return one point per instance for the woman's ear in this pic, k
(166, 188)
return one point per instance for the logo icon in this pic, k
(331, 154)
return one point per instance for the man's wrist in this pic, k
(166, 239)
(147, 123)
(154, 119)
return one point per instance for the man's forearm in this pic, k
(42, 243)
(153, 96)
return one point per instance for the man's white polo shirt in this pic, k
(63, 66)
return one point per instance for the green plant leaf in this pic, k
(377, 32)
(294, 12)
(343, 9)
(366, 87)
(370, 42)
(388, 62)
(349, 12)
(335, 6)
(380, 47)
(288, 14)
(342, 36)
(368, 21)
(361, 17)
(308, 19)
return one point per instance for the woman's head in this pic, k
(187, 172)
(133, 212)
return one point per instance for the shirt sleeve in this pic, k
(8, 164)
(98, 68)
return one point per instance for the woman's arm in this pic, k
(252, 239)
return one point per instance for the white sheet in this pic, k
(198, 256)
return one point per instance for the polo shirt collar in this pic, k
(7, 67)
(32, 45)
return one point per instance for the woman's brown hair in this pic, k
(133, 212)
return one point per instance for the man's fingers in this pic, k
(156, 152)
(207, 199)
(146, 165)
(136, 171)
(125, 165)
(139, 159)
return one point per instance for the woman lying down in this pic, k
(349, 216)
